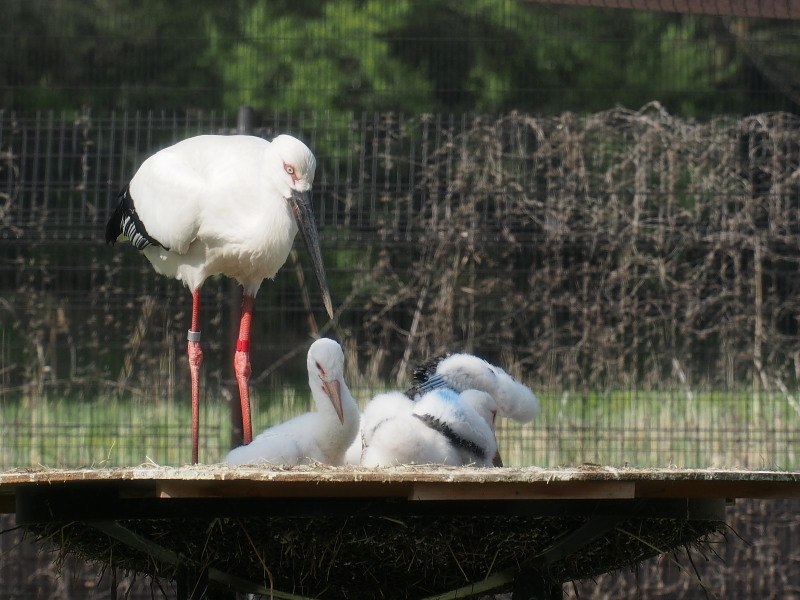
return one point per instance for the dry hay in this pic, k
(377, 556)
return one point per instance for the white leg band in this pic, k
(193, 336)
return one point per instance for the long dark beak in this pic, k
(304, 213)
(334, 393)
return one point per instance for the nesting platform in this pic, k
(406, 532)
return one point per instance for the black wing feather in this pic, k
(454, 438)
(423, 372)
(125, 221)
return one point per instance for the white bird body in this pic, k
(483, 404)
(230, 213)
(403, 441)
(320, 436)
(486, 408)
(283, 444)
(352, 455)
(440, 428)
(381, 408)
(460, 372)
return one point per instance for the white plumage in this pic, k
(221, 204)
(484, 405)
(438, 428)
(397, 405)
(319, 436)
(378, 410)
(466, 371)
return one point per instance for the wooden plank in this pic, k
(322, 473)
(717, 489)
(424, 490)
(578, 490)
(281, 489)
(429, 482)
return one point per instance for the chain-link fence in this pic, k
(638, 270)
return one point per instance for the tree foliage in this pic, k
(328, 56)
(409, 56)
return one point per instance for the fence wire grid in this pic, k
(637, 269)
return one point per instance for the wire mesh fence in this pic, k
(637, 269)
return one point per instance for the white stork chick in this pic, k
(466, 371)
(221, 204)
(441, 428)
(320, 436)
(381, 408)
(486, 407)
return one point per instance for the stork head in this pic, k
(299, 164)
(483, 404)
(296, 167)
(325, 371)
(466, 371)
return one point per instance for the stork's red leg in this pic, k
(195, 359)
(241, 364)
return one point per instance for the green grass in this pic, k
(643, 429)
(657, 429)
(110, 432)
(105, 433)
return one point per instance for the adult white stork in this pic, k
(221, 204)
(461, 372)
(318, 436)
(442, 427)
